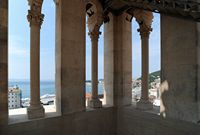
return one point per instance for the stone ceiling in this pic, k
(187, 9)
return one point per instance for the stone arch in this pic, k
(95, 4)
(94, 11)
(142, 17)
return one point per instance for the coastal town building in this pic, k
(153, 91)
(14, 97)
(179, 112)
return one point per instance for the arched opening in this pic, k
(154, 62)
(90, 11)
(47, 57)
(19, 58)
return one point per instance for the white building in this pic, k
(155, 88)
(136, 83)
(14, 98)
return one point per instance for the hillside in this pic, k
(152, 76)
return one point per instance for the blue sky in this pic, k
(19, 44)
(154, 48)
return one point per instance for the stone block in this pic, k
(36, 112)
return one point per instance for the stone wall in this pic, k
(135, 122)
(3, 61)
(93, 122)
(179, 55)
(198, 60)
(102, 122)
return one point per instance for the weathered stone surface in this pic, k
(179, 68)
(135, 122)
(198, 60)
(108, 61)
(34, 113)
(70, 56)
(118, 61)
(98, 122)
(3, 35)
(4, 4)
(3, 62)
(144, 105)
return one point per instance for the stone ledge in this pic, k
(88, 109)
(17, 116)
(144, 105)
(20, 115)
(155, 110)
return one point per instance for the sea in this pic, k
(46, 87)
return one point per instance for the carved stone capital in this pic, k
(144, 30)
(35, 17)
(144, 19)
(94, 35)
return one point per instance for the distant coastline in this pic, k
(47, 87)
(28, 80)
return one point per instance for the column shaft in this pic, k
(94, 101)
(144, 103)
(145, 68)
(35, 65)
(95, 69)
(35, 110)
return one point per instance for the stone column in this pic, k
(35, 18)
(144, 102)
(3, 63)
(70, 56)
(95, 102)
(118, 60)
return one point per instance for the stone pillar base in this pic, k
(35, 112)
(144, 105)
(95, 103)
